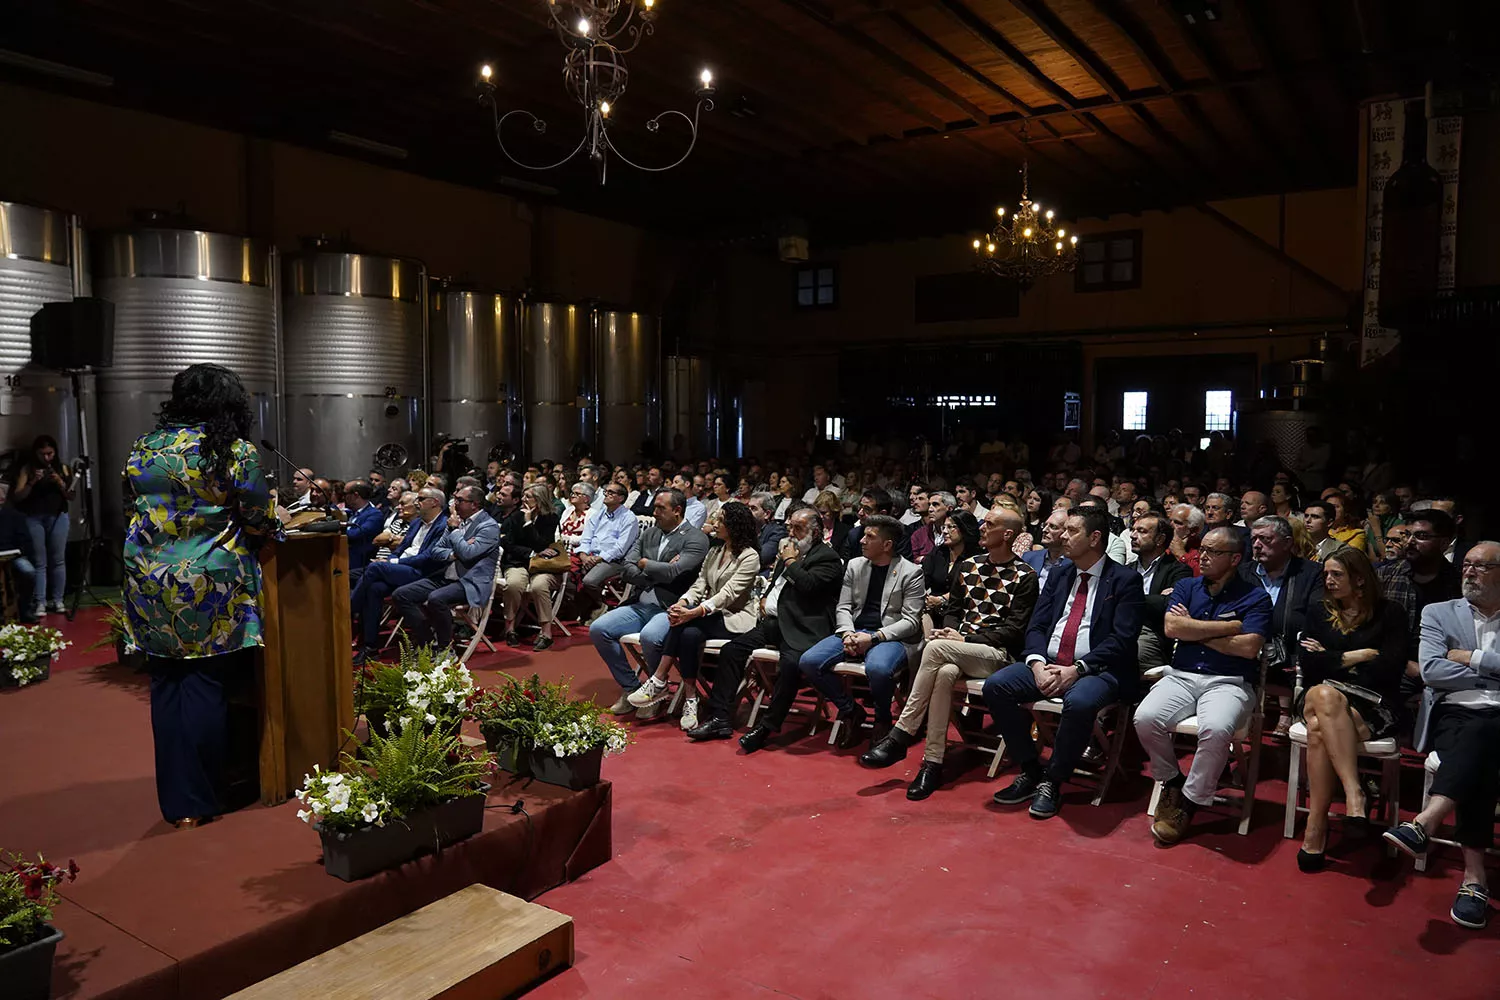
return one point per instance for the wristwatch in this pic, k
(1084, 669)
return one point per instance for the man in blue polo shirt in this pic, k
(1219, 620)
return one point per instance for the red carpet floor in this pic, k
(796, 873)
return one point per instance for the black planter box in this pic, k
(576, 773)
(26, 972)
(7, 681)
(357, 854)
(507, 750)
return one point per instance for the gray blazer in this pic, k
(667, 578)
(1449, 625)
(901, 604)
(474, 547)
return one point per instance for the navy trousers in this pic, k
(379, 581)
(1011, 687)
(190, 728)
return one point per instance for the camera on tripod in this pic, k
(459, 446)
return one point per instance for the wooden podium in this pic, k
(306, 668)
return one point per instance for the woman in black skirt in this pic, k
(1352, 658)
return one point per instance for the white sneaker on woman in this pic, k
(648, 693)
(689, 714)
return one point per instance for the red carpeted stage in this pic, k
(198, 914)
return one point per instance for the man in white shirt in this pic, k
(1460, 721)
(302, 486)
(696, 512)
(821, 482)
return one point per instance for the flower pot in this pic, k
(577, 772)
(506, 747)
(8, 681)
(26, 972)
(355, 854)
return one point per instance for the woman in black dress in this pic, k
(959, 541)
(1352, 658)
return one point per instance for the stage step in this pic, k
(477, 943)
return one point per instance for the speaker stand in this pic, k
(91, 537)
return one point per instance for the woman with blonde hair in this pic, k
(1302, 544)
(1351, 662)
(536, 533)
(831, 509)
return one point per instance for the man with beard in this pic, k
(1460, 721)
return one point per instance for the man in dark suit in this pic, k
(468, 550)
(762, 507)
(1150, 537)
(798, 611)
(1295, 587)
(365, 522)
(872, 501)
(419, 555)
(1081, 647)
(1049, 558)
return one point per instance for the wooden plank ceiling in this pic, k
(865, 118)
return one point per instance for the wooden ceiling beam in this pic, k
(991, 36)
(919, 36)
(1313, 138)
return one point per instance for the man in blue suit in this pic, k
(1080, 647)
(365, 522)
(469, 550)
(420, 554)
(1049, 558)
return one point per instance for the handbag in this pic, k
(1279, 658)
(559, 563)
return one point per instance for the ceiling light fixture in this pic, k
(1030, 247)
(597, 35)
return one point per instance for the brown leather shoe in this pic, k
(1172, 822)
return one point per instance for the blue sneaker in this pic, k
(1471, 908)
(1410, 837)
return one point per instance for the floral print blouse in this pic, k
(192, 580)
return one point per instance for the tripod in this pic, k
(91, 538)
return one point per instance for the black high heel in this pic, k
(1309, 862)
(1357, 826)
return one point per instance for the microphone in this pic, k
(270, 446)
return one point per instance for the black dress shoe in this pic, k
(1047, 801)
(714, 729)
(891, 748)
(542, 642)
(1023, 789)
(928, 780)
(511, 638)
(851, 727)
(756, 738)
(1309, 862)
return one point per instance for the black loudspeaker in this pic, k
(77, 334)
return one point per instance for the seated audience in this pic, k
(787, 489)
(1393, 548)
(1049, 558)
(1080, 647)
(1385, 514)
(1116, 545)
(1219, 621)
(1460, 721)
(960, 540)
(873, 501)
(529, 531)
(575, 516)
(1024, 541)
(770, 531)
(364, 525)
(988, 609)
(968, 499)
(719, 605)
(686, 484)
(1187, 534)
(1160, 571)
(916, 506)
(1295, 588)
(403, 513)
(831, 514)
(302, 495)
(661, 565)
(468, 550)
(821, 481)
(419, 554)
(1319, 517)
(878, 620)
(1348, 521)
(1039, 503)
(16, 535)
(645, 495)
(1352, 658)
(607, 538)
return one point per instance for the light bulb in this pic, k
(1073, 239)
(976, 244)
(1059, 244)
(706, 76)
(1062, 232)
(604, 108)
(1000, 210)
(1036, 206)
(990, 247)
(648, 4)
(1027, 232)
(1049, 213)
(583, 26)
(486, 72)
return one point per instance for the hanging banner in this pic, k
(1382, 157)
(1444, 143)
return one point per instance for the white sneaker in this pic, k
(689, 713)
(622, 706)
(55, 607)
(652, 711)
(649, 693)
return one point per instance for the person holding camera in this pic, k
(452, 459)
(43, 488)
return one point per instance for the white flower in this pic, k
(405, 721)
(304, 815)
(430, 719)
(339, 807)
(370, 812)
(335, 779)
(557, 750)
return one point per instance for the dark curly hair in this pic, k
(211, 397)
(743, 533)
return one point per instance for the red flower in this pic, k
(72, 870)
(531, 695)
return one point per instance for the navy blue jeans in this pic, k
(1011, 687)
(883, 664)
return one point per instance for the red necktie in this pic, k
(1075, 621)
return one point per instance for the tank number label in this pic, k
(390, 392)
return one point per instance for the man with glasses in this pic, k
(365, 522)
(1460, 721)
(607, 537)
(1219, 621)
(419, 554)
(1423, 576)
(468, 550)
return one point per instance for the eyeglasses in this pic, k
(1421, 536)
(1219, 552)
(1478, 567)
(615, 491)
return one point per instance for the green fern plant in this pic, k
(415, 768)
(116, 627)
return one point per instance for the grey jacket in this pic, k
(1449, 625)
(901, 604)
(667, 577)
(474, 548)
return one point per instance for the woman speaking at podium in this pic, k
(199, 507)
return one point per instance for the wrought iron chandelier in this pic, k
(597, 35)
(1031, 247)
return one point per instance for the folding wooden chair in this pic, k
(1244, 750)
(1429, 772)
(852, 673)
(483, 621)
(1112, 741)
(968, 711)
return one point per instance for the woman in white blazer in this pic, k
(719, 605)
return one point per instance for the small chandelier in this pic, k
(597, 35)
(1030, 247)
